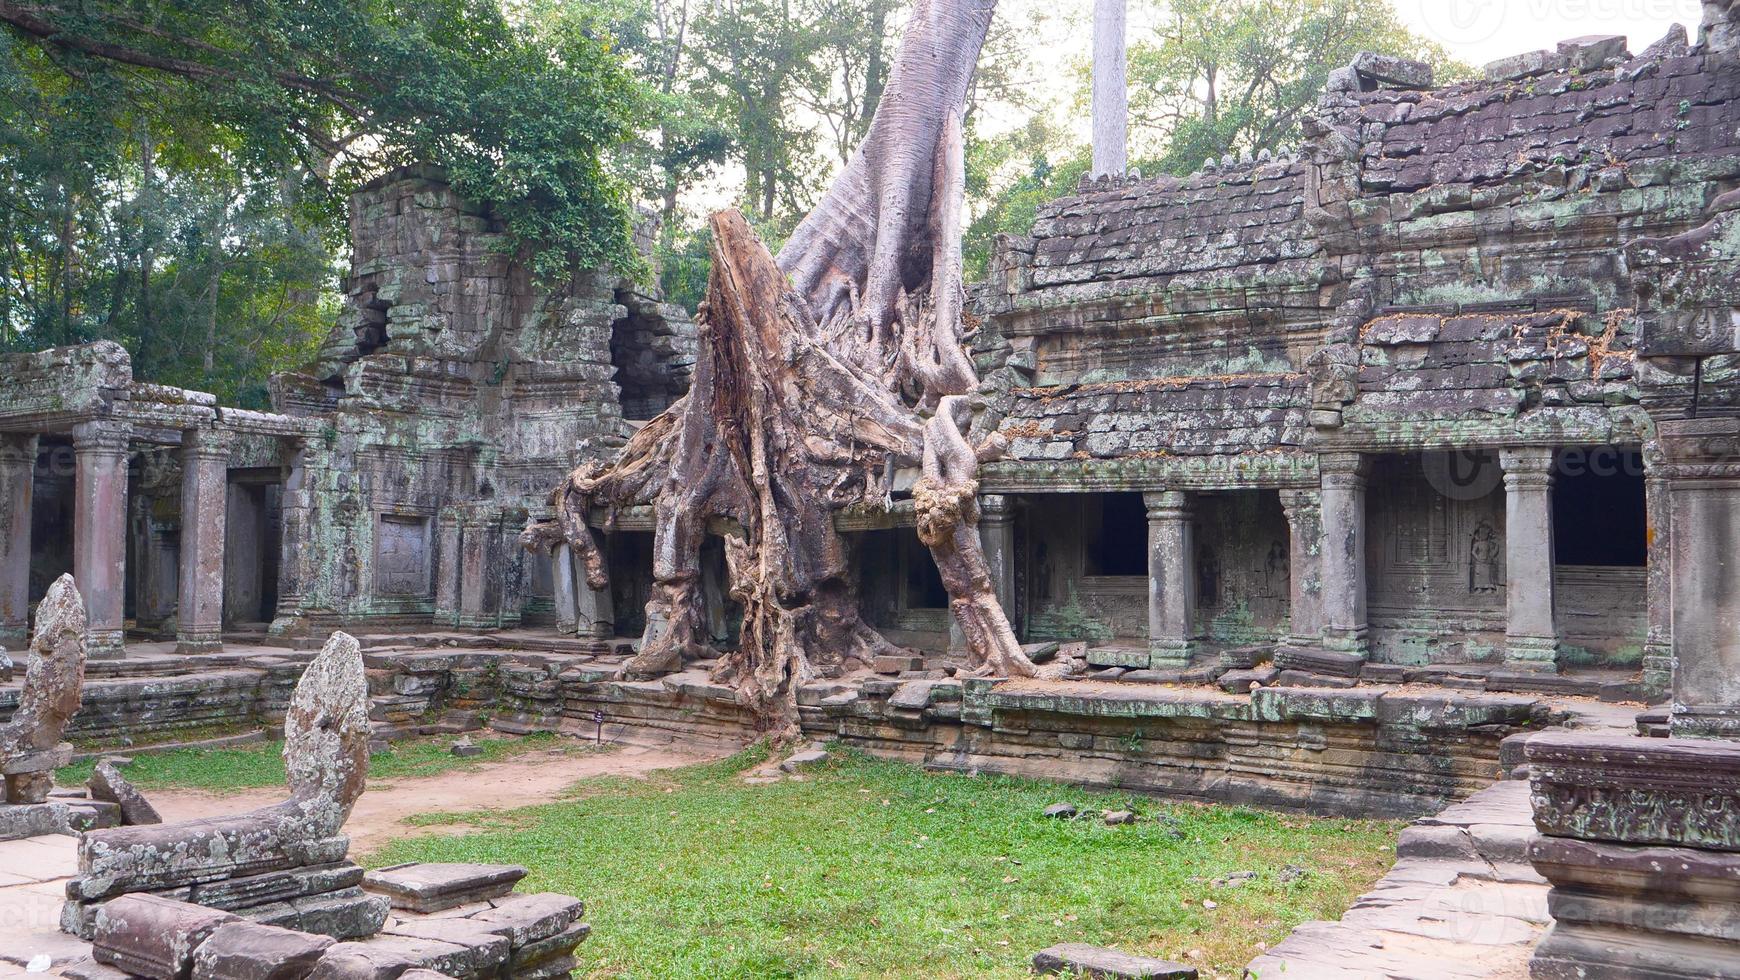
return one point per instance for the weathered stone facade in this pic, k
(1391, 361)
(389, 485)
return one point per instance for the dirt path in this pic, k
(522, 781)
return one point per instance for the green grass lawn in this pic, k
(874, 869)
(261, 765)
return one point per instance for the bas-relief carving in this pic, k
(1485, 559)
(402, 556)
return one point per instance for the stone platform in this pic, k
(1461, 903)
(1391, 745)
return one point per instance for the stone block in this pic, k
(560, 945)
(153, 937)
(433, 887)
(489, 950)
(1391, 70)
(248, 951)
(356, 961)
(526, 919)
(1082, 960)
(1593, 51)
(108, 784)
(1673, 792)
(895, 665)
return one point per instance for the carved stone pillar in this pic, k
(562, 589)
(1342, 558)
(1304, 509)
(447, 572)
(1703, 473)
(205, 463)
(594, 610)
(997, 535)
(17, 471)
(1531, 633)
(100, 531)
(1658, 650)
(1171, 583)
(295, 524)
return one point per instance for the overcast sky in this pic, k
(1479, 31)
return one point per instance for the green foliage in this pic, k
(1225, 76)
(876, 869)
(261, 765)
(174, 175)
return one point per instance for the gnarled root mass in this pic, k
(813, 373)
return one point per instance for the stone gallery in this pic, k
(1395, 474)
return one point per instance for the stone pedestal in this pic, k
(100, 531)
(205, 460)
(1531, 635)
(997, 535)
(17, 469)
(1342, 563)
(1304, 509)
(1702, 469)
(1640, 841)
(1171, 584)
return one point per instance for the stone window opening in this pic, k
(924, 584)
(1116, 536)
(643, 352)
(1599, 514)
(371, 326)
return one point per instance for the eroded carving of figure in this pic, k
(30, 744)
(1278, 571)
(1484, 551)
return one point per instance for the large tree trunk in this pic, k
(816, 372)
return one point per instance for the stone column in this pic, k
(17, 471)
(562, 589)
(997, 535)
(205, 465)
(1171, 584)
(1342, 561)
(1304, 509)
(100, 531)
(1703, 475)
(483, 588)
(1531, 636)
(295, 522)
(1110, 90)
(447, 561)
(1658, 652)
(595, 613)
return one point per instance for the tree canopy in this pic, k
(156, 154)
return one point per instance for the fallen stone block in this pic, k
(1060, 811)
(354, 961)
(1241, 681)
(151, 936)
(1117, 818)
(108, 784)
(249, 951)
(433, 887)
(561, 945)
(526, 919)
(1082, 960)
(893, 665)
(466, 749)
(809, 759)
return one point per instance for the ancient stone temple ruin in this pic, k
(1390, 474)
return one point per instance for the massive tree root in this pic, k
(815, 373)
